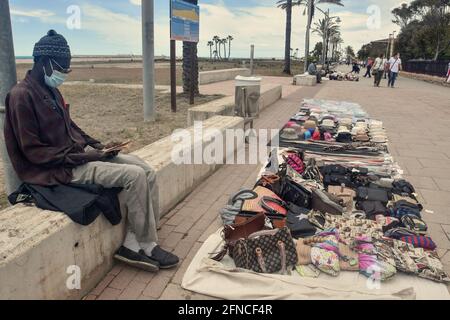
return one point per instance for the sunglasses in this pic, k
(60, 69)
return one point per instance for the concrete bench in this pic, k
(225, 106)
(305, 80)
(207, 77)
(222, 107)
(37, 247)
(269, 95)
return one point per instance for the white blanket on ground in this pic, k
(222, 280)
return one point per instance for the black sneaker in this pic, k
(165, 259)
(137, 260)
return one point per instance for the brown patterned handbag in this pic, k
(268, 251)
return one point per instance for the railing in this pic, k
(430, 67)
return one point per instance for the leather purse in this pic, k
(271, 182)
(240, 230)
(268, 251)
(295, 193)
(321, 202)
(345, 194)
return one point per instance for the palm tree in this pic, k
(224, 42)
(326, 28)
(311, 8)
(230, 38)
(210, 45)
(216, 41)
(287, 5)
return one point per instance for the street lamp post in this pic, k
(8, 78)
(148, 59)
(392, 43)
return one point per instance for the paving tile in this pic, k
(172, 240)
(443, 184)
(435, 163)
(441, 198)
(102, 285)
(156, 287)
(110, 294)
(133, 291)
(438, 235)
(422, 182)
(144, 276)
(123, 279)
(90, 297)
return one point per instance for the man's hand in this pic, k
(96, 155)
(98, 146)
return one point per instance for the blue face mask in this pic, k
(56, 79)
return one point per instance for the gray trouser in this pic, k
(140, 190)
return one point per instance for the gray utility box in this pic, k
(248, 92)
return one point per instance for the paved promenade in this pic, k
(417, 119)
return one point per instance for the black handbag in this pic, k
(372, 194)
(294, 193)
(298, 223)
(266, 252)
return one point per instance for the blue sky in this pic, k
(113, 26)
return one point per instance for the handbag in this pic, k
(266, 252)
(232, 233)
(271, 182)
(346, 194)
(295, 193)
(372, 194)
(298, 222)
(321, 202)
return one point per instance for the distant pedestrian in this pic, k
(378, 69)
(395, 66)
(355, 67)
(448, 73)
(369, 68)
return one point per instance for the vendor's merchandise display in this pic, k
(330, 201)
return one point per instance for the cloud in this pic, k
(42, 14)
(136, 2)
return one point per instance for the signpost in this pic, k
(184, 26)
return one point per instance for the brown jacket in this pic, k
(43, 143)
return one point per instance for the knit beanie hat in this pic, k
(52, 45)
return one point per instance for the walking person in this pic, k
(369, 68)
(448, 73)
(395, 66)
(379, 69)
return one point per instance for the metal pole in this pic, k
(8, 78)
(252, 57)
(388, 44)
(393, 43)
(148, 58)
(192, 86)
(173, 75)
(307, 38)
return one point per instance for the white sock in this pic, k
(131, 242)
(148, 247)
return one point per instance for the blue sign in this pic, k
(184, 21)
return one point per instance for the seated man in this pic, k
(47, 148)
(312, 70)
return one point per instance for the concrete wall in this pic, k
(270, 95)
(305, 80)
(37, 247)
(225, 106)
(207, 77)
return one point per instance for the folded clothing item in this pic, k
(402, 208)
(420, 242)
(402, 187)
